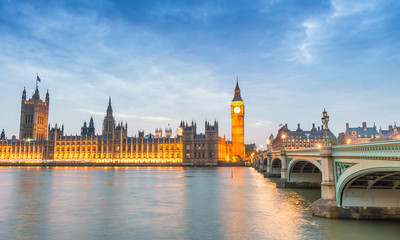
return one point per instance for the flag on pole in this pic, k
(280, 125)
(37, 78)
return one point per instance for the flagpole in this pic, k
(37, 74)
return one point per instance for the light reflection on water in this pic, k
(164, 203)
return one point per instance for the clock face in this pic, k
(236, 110)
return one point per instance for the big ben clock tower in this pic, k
(237, 119)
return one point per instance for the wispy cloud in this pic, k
(261, 124)
(305, 46)
(128, 116)
(343, 8)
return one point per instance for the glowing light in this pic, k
(348, 141)
(283, 136)
(319, 145)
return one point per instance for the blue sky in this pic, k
(167, 61)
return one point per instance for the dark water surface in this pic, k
(164, 203)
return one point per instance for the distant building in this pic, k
(88, 130)
(250, 148)
(392, 133)
(34, 116)
(341, 138)
(361, 134)
(299, 138)
(158, 133)
(3, 135)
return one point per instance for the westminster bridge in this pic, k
(359, 181)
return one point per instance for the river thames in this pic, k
(164, 203)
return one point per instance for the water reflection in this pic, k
(164, 203)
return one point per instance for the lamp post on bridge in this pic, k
(325, 120)
(326, 205)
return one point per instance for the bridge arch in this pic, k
(265, 161)
(304, 170)
(275, 167)
(375, 186)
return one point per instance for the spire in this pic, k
(3, 135)
(237, 84)
(237, 96)
(47, 97)
(23, 95)
(36, 94)
(109, 108)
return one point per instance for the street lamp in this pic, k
(325, 120)
(283, 141)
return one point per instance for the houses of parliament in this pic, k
(39, 142)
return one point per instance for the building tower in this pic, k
(109, 122)
(34, 116)
(3, 135)
(237, 120)
(88, 131)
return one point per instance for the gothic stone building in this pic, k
(39, 142)
(34, 117)
(200, 148)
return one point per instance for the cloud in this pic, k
(343, 8)
(311, 29)
(128, 116)
(261, 124)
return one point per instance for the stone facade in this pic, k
(237, 120)
(299, 138)
(200, 148)
(354, 135)
(392, 133)
(88, 130)
(113, 145)
(34, 116)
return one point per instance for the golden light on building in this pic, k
(114, 146)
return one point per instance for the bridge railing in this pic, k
(381, 150)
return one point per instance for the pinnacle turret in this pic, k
(237, 96)
(237, 84)
(109, 108)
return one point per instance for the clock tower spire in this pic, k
(237, 120)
